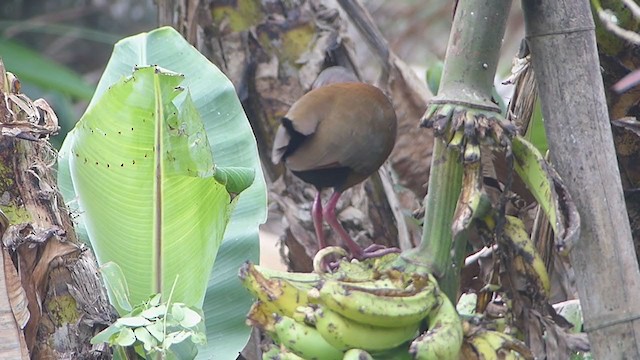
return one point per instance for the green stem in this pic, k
(467, 83)
(445, 182)
(473, 51)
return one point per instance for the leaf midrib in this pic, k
(157, 214)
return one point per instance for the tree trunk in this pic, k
(562, 42)
(51, 289)
(272, 51)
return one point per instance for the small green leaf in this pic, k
(234, 179)
(145, 338)
(126, 337)
(176, 337)
(105, 335)
(177, 312)
(191, 318)
(154, 300)
(155, 312)
(117, 284)
(157, 330)
(137, 310)
(134, 321)
(199, 338)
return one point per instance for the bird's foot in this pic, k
(328, 259)
(377, 250)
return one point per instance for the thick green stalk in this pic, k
(445, 183)
(467, 82)
(473, 53)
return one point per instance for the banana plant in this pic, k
(163, 172)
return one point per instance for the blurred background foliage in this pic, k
(59, 48)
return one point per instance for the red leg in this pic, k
(372, 251)
(316, 215)
(332, 220)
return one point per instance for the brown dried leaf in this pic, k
(626, 133)
(14, 345)
(17, 295)
(26, 119)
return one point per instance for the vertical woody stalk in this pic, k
(561, 37)
(463, 116)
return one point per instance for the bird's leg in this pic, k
(372, 251)
(316, 215)
(332, 220)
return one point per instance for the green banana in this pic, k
(482, 348)
(505, 345)
(346, 334)
(261, 316)
(471, 152)
(303, 340)
(297, 337)
(526, 261)
(357, 354)
(282, 294)
(378, 306)
(444, 338)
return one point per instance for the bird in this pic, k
(336, 136)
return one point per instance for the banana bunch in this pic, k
(484, 344)
(375, 313)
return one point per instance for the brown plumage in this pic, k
(336, 136)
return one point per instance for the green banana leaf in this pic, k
(550, 192)
(210, 95)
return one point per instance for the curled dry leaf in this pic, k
(17, 295)
(26, 119)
